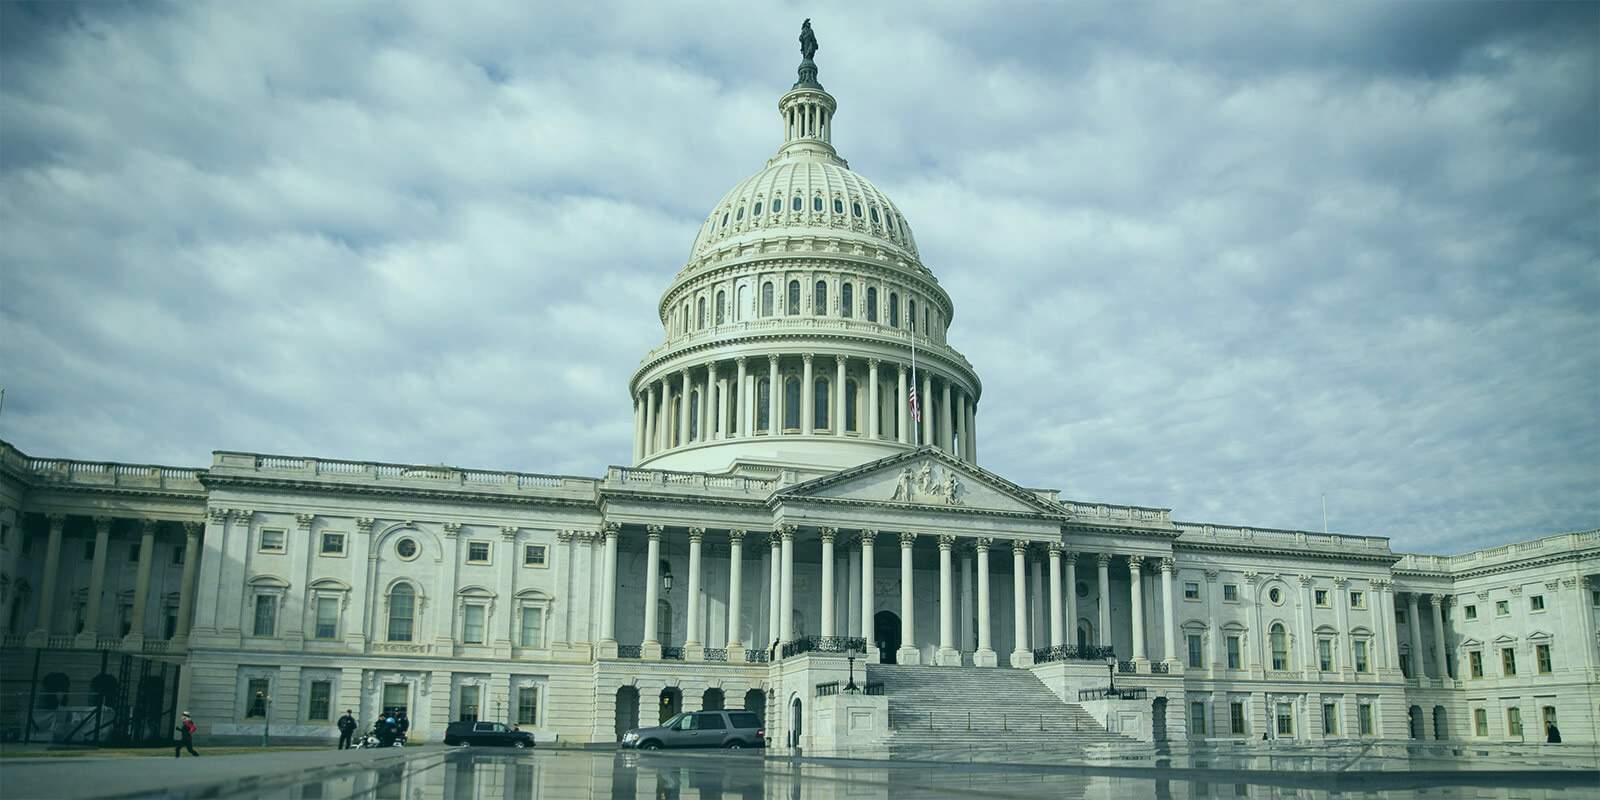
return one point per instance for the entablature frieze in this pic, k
(1279, 553)
(666, 361)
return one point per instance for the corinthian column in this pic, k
(141, 585)
(840, 415)
(902, 411)
(774, 425)
(1437, 601)
(1136, 587)
(692, 635)
(191, 560)
(97, 582)
(926, 401)
(1055, 594)
(1103, 567)
(741, 414)
(948, 654)
(808, 399)
(947, 434)
(1021, 656)
(873, 403)
(608, 591)
(651, 647)
(711, 415)
(735, 593)
(786, 615)
(1169, 625)
(827, 535)
(908, 653)
(985, 656)
(868, 602)
(683, 408)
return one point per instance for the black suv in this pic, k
(733, 730)
(493, 734)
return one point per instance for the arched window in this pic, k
(856, 207)
(722, 306)
(763, 404)
(757, 212)
(687, 319)
(874, 211)
(766, 299)
(911, 315)
(821, 304)
(702, 317)
(894, 310)
(791, 403)
(850, 407)
(799, 204)
(739, 307)
(847, 301)
(694, 415)
(1280, 646)
(838, 206)
(819, 403)
(816, 204)
(872, 304)
(738, 215)
(402, 612)
(794, 293)
(925, 315)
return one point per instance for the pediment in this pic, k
(924, 478)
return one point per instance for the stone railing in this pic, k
(716, 654)
(1549, 545)
(756, 656)
(1269, 537)
(104, 473)
(824, 644)
(13, 640)
(1073, 652)
(422, 476)
(1109, 693)
(1126, 515)
(690, 481)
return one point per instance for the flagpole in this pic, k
(915, 423)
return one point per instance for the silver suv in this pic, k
(733, 730)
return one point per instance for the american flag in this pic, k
(916, 410)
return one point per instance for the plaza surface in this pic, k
(1256, 769)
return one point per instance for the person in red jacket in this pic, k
(186, 740)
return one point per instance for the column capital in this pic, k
(711, 367)
(1376, 584)
(1068, 556)
(907, 540)
(364, 524)
(56, 520)
(740, 360)
(947, 542)
(655, 531)
(610, 528)
(872, 363)
(867, 536)
(697, 534)
(772, 360)
(509, 532)
(982, 543)
(241, 515)
(1102, 559)
(1305, 580)
(304, 521)
(828, 534)
(565, 537)
(1251, 577)
(1438, 600)
(102, 524)
(1019, 547)
(1169, 565)
(840, 360)
(1135, 563)
(191, 529)
(683, 373)
(736, 535)
(149, 526)
(901, 368)
(807, 357)
(1340, 581)
(1211, 575)
(451, 529)
(786, 533)
(1055, 548)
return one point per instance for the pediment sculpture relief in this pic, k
(926, 486)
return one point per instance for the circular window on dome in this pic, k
(724, 219)
(739, 215)
(799, 204)
(406, 548)
(1275, 595)
(874, 210)
(816, 204)
(856, 207)
(838, 206)
(757, 212)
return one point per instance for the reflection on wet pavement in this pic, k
(1391, 771)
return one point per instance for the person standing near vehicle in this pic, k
(186, 738)
(347, 729)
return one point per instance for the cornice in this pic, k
(777, 501)
(942, 354)
(804, 261)
(1279, 551)
(697, 501)
(367, 490)
(1495, 569)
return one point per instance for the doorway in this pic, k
(1158, 719)
(671, 703)
(627, 710)
(795, 727)
(886, 633)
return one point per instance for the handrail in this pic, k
(716, 654)
(1087, 695)
(1126, 667)
(824, 644)
(1073, 652)
(672, 654)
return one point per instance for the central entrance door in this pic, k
(886, 634)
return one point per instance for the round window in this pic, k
(1083, 589)
(406, 548)
(1275, 595)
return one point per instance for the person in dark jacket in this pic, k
(185, 737)
(1552, 734)
(347, 729)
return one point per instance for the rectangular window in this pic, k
(266, 622)
(528, 705)
(1480, 721)
(1330, 719)
(1536, 603)
(255, 694)
(1502, 608)
(397, 697)
(1197, 718)
(1233, 653)
(333, 544)
(169, 628)
(1542, 655)
(1405, 664)
(532, 627)
(321, 700)
(1514, 722)
(477, 552)
(1191, 591)
(469, 704)
(1325, 655)
(1230, 592)
(1320, 596)
(1549, 715)
(1358, 599)
(1471, 612)
(1285, 719)
(1195, 659)
(1508, 662)
(533, 555)
(177, 555)
(472, 625)
(1236, 718)
(1400, 616)
(272, 540)
(133, 558)
(125, 617)
(88, 550)
(327, 617)
(1361, 656)
(1475, 664)
(1364, 719)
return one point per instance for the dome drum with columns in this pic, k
(790, 332)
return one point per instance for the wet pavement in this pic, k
(437, 773)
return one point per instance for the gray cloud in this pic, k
(1246, 254)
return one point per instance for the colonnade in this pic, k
(718, 401)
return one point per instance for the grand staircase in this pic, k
(949, 711)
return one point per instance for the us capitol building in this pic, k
(785, 509)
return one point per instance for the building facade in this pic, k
(804, 471)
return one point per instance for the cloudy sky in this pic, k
(1214, 257)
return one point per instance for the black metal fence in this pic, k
(756, 656)
(832, 688)
(824, 644)
(81, 697)
(1126, 667)
(1158, 667)
(716, 654)
(629, 651)
(1085, 695)
(1073, 652)
(671, 654)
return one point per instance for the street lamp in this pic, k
(851, 654)
(266, 711)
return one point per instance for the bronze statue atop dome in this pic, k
(808, 41)
(808, 68)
